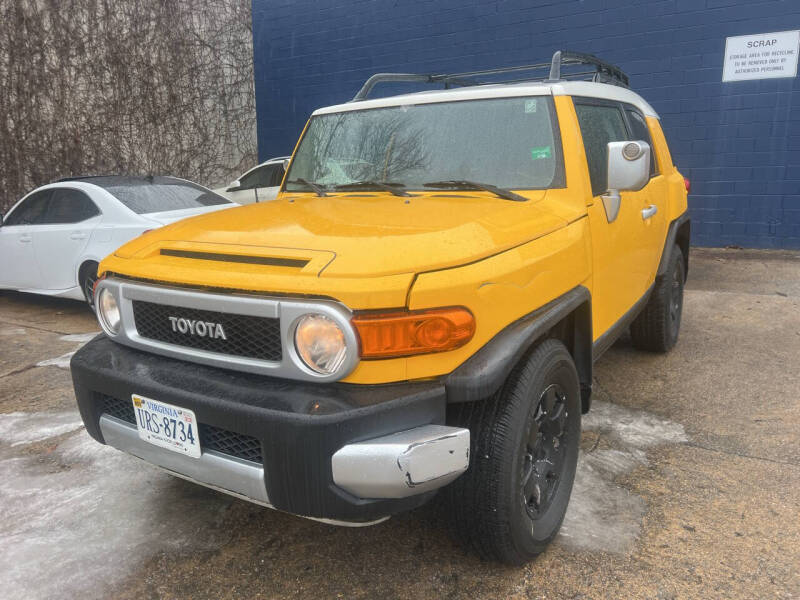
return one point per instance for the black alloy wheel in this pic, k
(510, 503)
(545, 452)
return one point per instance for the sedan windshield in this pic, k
(509, 143)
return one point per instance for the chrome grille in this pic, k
(244, 335)
(258, 329)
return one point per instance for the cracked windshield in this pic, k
(507, 143)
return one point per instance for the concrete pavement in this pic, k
(688, 483)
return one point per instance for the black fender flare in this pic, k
(484, 372)
(678, 232)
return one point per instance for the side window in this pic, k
(69, 206)
(31, 211)
(640, 131)
(600, 124)
(260, 178)
(277, 175)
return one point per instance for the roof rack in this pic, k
(601, 72)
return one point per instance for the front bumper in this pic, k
(343, 452)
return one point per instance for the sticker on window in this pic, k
(530, 106)
(540, 152)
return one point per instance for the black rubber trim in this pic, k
(484, 372)
(605, 341)
(300, 425)
(271, 261)
(672, 234)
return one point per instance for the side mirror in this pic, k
(285, 164)
(234, 186)
(628, 170)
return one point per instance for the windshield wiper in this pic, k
(463, 184)
(318, 189)
(390, 187)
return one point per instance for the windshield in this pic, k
(505, 142)
(143, 198)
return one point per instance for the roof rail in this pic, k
(74, 178)
(83, 177)
(601, 72)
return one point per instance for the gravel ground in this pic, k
(688, 483)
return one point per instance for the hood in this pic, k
(358, 235)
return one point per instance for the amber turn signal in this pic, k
(405, 333)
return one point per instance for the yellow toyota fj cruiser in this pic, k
(417, 312)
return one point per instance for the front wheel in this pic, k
(511, 502)
(87, 278)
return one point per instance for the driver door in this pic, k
(18, 266)
(621, 258)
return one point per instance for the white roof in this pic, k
(269, 161)
(560, 88)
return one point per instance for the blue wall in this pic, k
(739, 143)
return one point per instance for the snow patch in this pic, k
(62, 362)
(88, 515)
(633, 428)
(603, 515)
(80, 338)
(20, 428)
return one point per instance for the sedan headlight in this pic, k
(320, 343)
(108, 311)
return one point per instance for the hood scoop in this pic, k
(269, 261)
(230, 260)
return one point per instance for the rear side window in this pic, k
(31, 211)
(600, 124)
(640, 131)
(69, 206)
(144, 198)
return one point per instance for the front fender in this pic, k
(501, 290)
(485, 371)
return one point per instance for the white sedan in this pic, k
(52, 240)
(259, 184)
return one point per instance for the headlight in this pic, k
(108, 311)
(320, 344)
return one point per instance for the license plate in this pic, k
(168, 426)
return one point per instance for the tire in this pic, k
(657, 327)
(87, 276)
(493, 507)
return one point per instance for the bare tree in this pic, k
(140, 86)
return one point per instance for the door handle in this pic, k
(25, 238)
(649, 211)
(77, 236)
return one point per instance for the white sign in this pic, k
(761, 56)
